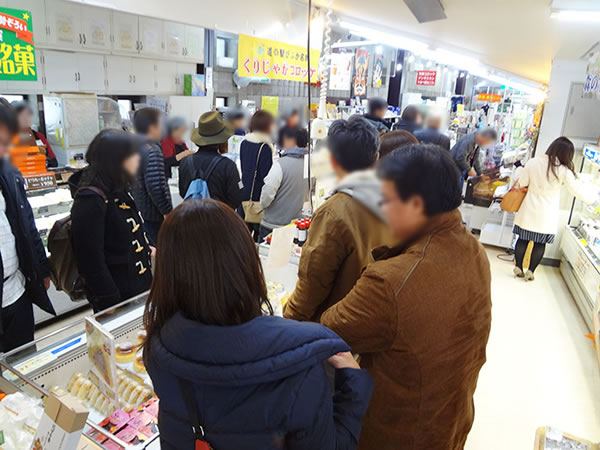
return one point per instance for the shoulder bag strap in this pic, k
(256, 170)
(212, 166)
(189, 398)
(98, 191)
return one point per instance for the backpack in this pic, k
(63, 264)
(198, 189)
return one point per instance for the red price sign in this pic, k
(426, 77)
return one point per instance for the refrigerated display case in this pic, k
(580, 245)
(61, 360)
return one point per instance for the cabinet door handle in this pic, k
(141, 46)
(130, 78)
(134, 78)
(84, 39)
(79, 75)
(80, 39)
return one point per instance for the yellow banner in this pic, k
(264, 58)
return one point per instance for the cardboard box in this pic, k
(86, 443)
(547, 433)
(61, 424)
(194, 85)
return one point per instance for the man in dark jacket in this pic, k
(151, 193)
(466, 151)
(24, 270)
(222, 178)
(410, 120)
(377, 109)
(431, 134)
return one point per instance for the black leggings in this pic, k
(536, 254)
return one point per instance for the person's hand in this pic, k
(47, 283)
(343, 360)
(183, 154)
(472, 173)
(152, 252)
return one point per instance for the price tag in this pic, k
(36, 182)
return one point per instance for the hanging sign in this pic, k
(426, 77)
(361, 71)
(493, 98)
(591, 88)
(17, 52)
(264, 58)
(377, 71)
(340, 77)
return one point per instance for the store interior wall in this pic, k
(564, 73)
(284, 20)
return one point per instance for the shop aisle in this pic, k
(541, 369)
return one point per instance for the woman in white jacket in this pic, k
(537, 220)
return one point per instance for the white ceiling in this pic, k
(517, 36)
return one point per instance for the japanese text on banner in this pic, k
(17, 51)
(264, 58)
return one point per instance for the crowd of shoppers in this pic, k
(388, 272)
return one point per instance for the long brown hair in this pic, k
(560, 153)
(207, 268)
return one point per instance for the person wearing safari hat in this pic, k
(223, 179)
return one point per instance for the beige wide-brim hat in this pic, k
(212, 130)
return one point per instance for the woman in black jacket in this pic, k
(223, 365)
(111, 248)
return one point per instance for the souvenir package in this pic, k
(548, 438)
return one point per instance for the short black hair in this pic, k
(8, 117)
(297, 133)
(354, 143)
(145, 118)
(411, 113)
(375, 104)
(425, 170)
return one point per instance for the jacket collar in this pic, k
(438, 223)
(260, 138)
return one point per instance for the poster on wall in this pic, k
(591, 88)
(426, 77)
(264, 58)
(271, 104)
(340, 77)
(17, 51)
(361, 71)
(377, 71)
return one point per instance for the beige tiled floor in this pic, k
(541, 369)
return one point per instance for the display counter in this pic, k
(61, 359)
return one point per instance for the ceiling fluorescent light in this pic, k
(353, 44)
(572, 15)
(393, 40)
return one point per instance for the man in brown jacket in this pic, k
(420, 315)
(346, 227)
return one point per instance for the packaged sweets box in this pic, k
(61, 424)
(548, 438)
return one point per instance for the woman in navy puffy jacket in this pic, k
(226, 370)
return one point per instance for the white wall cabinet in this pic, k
(74, 72)
(194, 43)
(143, 74)
(118, 74)
(90, 72)
(63, 20)
(125, 33)
(175, 39)
(151, 36)
(182, 69)
(166, 77)
(95, 28)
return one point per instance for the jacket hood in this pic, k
(295, 152)
(265, 349)
(365, 188)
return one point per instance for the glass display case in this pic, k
(580, 245)
(61, 360)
